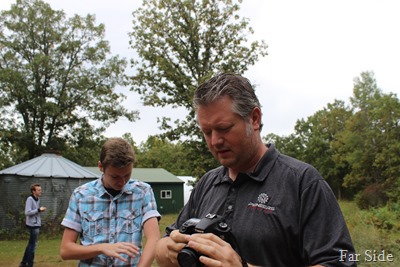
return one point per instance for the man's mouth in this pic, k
(222, 152)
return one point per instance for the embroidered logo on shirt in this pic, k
(261, 204)
(263, 198)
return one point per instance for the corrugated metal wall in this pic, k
(15, 189)
(56, 193)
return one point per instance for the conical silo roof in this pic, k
(50, 165)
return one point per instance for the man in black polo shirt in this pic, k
(280, 210)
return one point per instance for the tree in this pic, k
(160, 153)
(7, 154)
(56, 78)
(179, 43)
(359, 138)
(85, 148)
(317, 135)
(313, 142)
(289, 145)
(370, 142)
(354, 147)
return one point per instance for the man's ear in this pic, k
(100, 166)
(256, 118)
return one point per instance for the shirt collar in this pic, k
(127, 189)
(265, 164)
(261, 172)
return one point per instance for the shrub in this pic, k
(386, 218)
(373, 196)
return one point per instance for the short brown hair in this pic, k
(33, 187)
(116, 152)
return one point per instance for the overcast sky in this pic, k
(316, 49)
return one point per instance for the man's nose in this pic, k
(216, 138)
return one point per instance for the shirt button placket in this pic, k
(230, 202)
(113, 222)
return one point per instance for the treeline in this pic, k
(61, 87)
(355, 145)
(58, 88)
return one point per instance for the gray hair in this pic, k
(237, 87)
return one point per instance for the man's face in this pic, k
(230, 139)
(116, 178)
(38, 191)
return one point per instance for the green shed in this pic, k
(167, 188)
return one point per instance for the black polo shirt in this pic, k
(283, 214)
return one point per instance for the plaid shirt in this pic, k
(101, 218)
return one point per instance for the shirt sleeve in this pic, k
(72, 217)
(30, 207)
(324, 230)
(149, 208)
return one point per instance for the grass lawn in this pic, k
(367, 240)
(47, 253)
(48, 250)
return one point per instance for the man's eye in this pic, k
(225, 129)
(207, 133)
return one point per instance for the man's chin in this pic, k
(118, 188)
(225, 162)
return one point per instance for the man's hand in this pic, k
(167, 249)
(176, 243)
(216, 251)
(71, 250)
(115, 250)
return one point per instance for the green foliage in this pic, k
(370, 140)
(158, 152)
(356, 148)
(85, 148)
(56, 79)
(181, 43)
(387, 218)
(52, 227)
(366, 236)
(8, 155)
(312, 142)
(288, 145)
(358, 221)
(48, 250)
(372, 196)
(16, 215)
(200, 158)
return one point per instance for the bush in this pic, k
(386, 218)
(373, 196)
(366, 235)
(52, 227)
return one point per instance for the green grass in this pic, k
(365, 238)
(48, 250)
(47, 253)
